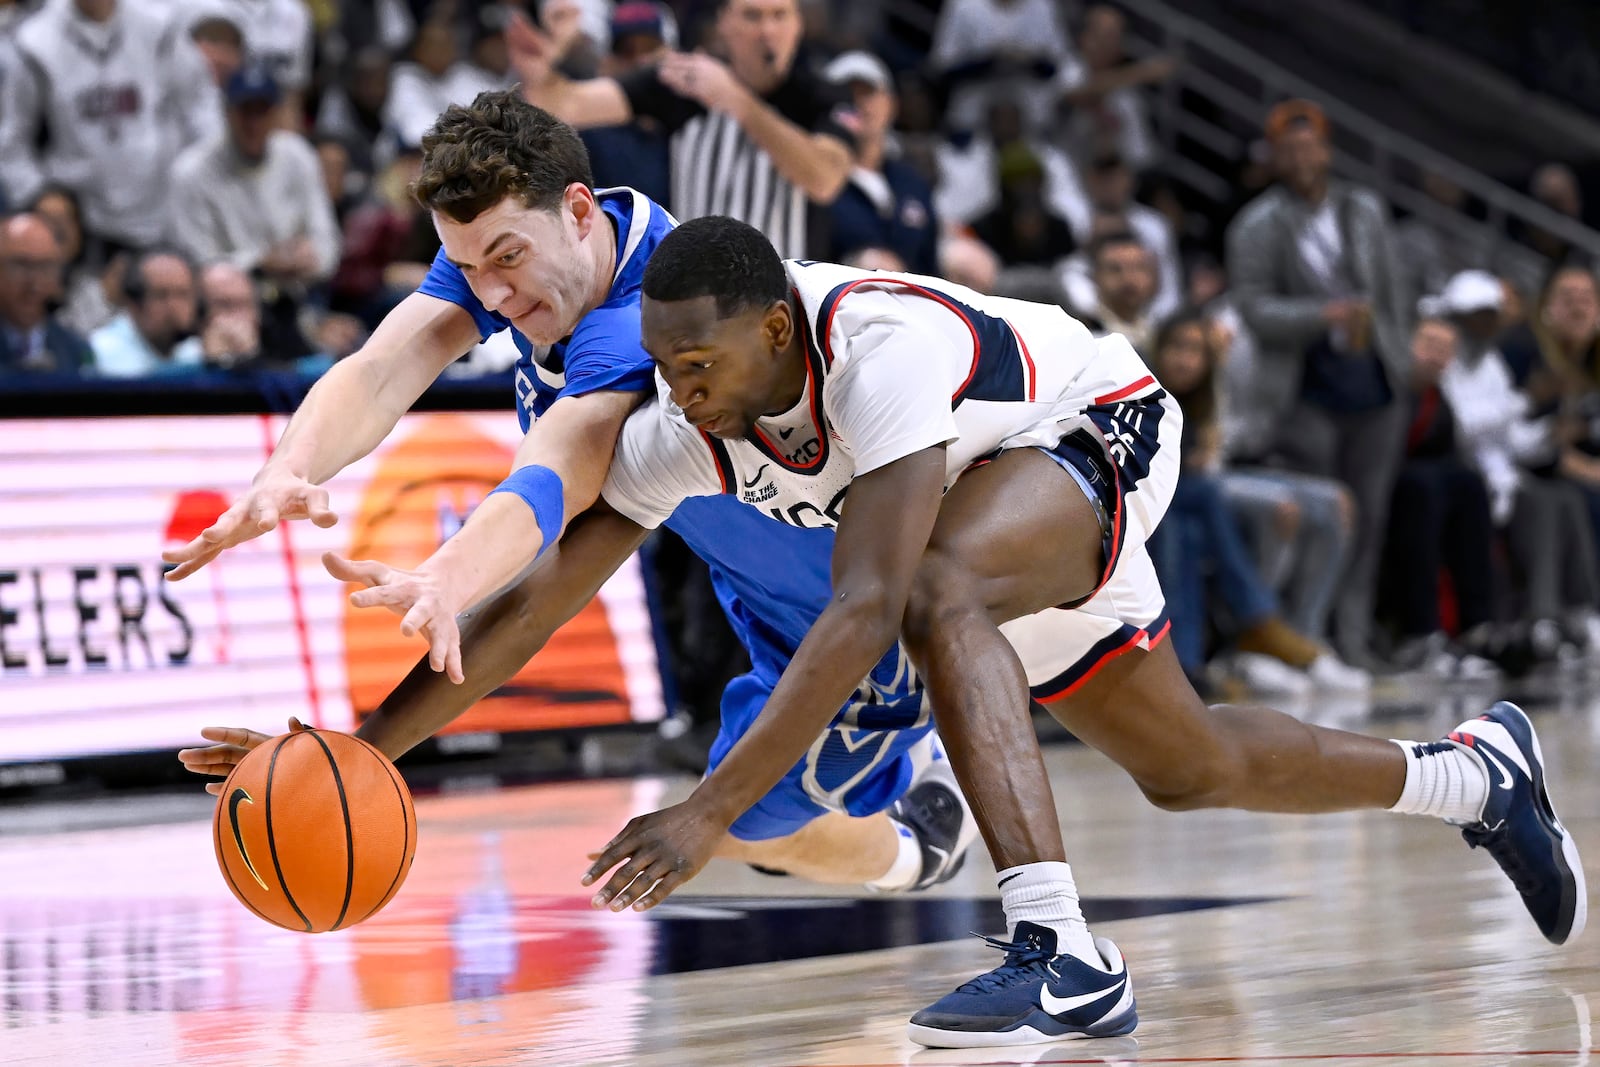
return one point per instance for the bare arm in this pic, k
(595, 102)
(816, 162)
(357, 403)
(344, 416)
(502, 635)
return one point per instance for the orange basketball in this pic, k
(315, 831)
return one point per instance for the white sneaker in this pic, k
(1267, 675)
(1328, 671)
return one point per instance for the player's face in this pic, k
(725, 373)
(533, 267)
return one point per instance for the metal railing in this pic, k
(1243, 85)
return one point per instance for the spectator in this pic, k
(988, 50)
(85, 305)
(230, 332)
(1546, 519)
(354, 110)
(31, 340)
(886, 204)
(256, 197)
(277, 36)
(153, 334)
(389, 243)
(1199, 537)
(753, 134)
(219, 37)
(635, 153)
(1316, 281)
(1564, 340)
(1021, 229)
(1124, 285)
(969, 170)
(1109, 183)
(344, 185)
(1439, 522)
(1106, 108)
(434, 79)
(98, 97)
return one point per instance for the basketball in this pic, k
(315, 831)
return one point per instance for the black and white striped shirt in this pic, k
(718, 170)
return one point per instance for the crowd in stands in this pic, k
(1392, 440)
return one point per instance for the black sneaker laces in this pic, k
(1498, 844)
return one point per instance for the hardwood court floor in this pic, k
(1365, 939)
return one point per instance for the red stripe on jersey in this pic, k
(1027, 361)
(1125, 391)
(827, 327)
(715, 460)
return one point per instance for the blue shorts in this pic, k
(859, 766)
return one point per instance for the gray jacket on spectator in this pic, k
(1281, 302)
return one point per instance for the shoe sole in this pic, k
(1022, 1033)
(1569, 847)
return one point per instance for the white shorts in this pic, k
(1136, 433)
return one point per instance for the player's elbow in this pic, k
(869, 614)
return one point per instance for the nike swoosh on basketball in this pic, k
(756, 477)
(1057, 1005)
(238, 835)
(1505, 775)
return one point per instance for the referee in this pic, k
(756, 137)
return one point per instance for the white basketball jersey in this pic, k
(896, 363)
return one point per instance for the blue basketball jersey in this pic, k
(772, 580)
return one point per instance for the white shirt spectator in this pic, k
(232, 210)
(111, 103)
(120, 351)
(416, 97)
(973, 30)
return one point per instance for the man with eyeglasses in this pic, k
(31, 341)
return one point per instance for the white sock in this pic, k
(1045, 893)
(1444, 780)
(907, 866)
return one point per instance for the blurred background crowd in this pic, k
(1377, 306)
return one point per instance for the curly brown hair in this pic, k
(500, 145)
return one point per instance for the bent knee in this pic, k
(1208, 782)
(941, 591)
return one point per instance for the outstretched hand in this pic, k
(234, 743)
(662, 850)
(419, 598)
(275, 495)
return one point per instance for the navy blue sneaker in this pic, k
(936, 813)
(1034, 996)
(1519, 827)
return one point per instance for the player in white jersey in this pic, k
(983, 460)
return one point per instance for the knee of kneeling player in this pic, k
(1192, 787)
(939, 595)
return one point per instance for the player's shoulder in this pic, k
(613, 326)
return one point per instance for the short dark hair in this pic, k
(1098, 246)
(718, 257)
(500, 145)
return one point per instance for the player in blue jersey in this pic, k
(528, 245)
(999, 462)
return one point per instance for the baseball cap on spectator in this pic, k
(252, 83)
(643, 18)
(1294, 114)
(1466, 292)
(859, 67)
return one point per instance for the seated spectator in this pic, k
(1546, 519)
(256, 197)
(354, 109)
(885, 203)
(230, 332)
(152, 335)
(969, 169)
(635, 153)
(389, 242)
(1022, 229)
(219, 38)
(1124, 288)
(1200, 540)
(434, 79)
(1439, 521)
(85, 305)
(1108, 183)
(31, 340)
